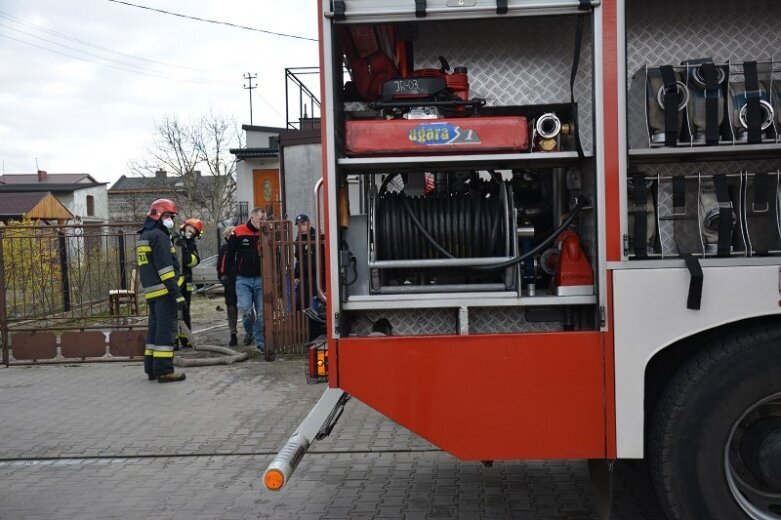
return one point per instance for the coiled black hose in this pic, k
(439, 226)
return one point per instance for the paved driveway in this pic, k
(100, 441)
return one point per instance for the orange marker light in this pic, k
(274, 479)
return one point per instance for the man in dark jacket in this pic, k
(229, 282)
(159, 272)
(305, 273)
(189, 231)
(242, 259)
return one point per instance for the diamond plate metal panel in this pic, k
(515, 62)
(406, 322)
(666, 224)
(670, 31)
(496, 320)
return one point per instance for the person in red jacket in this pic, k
(242, 260)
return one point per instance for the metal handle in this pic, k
(318, 260)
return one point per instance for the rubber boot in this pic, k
(234, 341)
(171, 377)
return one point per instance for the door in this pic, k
(265, 191)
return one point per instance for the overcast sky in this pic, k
(83, 82)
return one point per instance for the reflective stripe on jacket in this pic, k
(158, 267)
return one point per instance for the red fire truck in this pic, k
(552, 231)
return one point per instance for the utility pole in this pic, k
(249, 86)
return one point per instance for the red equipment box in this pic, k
(437, 136)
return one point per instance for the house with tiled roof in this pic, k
(84, 197)
(129, 197)
(36, 206)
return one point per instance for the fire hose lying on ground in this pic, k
(229, 355)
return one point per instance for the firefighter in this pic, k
(159, 272)
(190, 230)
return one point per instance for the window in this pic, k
(90, 205)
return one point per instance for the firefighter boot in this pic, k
(171, 377)
(234, 341)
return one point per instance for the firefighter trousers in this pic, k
(160, 336)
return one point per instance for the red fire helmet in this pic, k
(160, 206)
(194, 222)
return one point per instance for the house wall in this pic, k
(259, 138)
(129, 207)
(244, 190)
(78, 203)
(303, 167)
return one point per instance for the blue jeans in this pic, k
(249, 295)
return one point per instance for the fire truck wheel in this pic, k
(714, 443)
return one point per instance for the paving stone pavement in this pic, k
(100, 441)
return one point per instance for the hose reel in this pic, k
(431, 243)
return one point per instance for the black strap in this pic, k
(640, 241)
(671, 100)
(761, 202)
(501, 6)
(753, 109)
(679, 196)
(339, 10)
(573, 74)
(711, 76)
(420, 8)
(694, 299)
(725, 214)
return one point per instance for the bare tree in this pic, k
(184, 150)
(214, 137)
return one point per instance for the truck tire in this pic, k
(714, 441)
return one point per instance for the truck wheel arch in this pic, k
(707, 389)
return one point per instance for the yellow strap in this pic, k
(155, 294)
(144, 249)
(163, 354)
(167, 276)
(148, 352)
(180, 281)
(193, 261)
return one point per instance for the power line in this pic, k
(133, 68)
(135, 71)
(14, 19)
(207, 20)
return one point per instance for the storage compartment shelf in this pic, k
(476, 161)
(707, 153)
(404, 10)
(457, 300)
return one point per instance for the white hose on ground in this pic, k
(231, 356)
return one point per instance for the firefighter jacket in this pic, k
(158, 266)
(190, 258)
(242, 257)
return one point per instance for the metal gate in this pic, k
(69, 293)
(289, 286)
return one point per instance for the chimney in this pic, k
(42, 175)
(160, 174)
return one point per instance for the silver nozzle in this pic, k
(548, 125)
